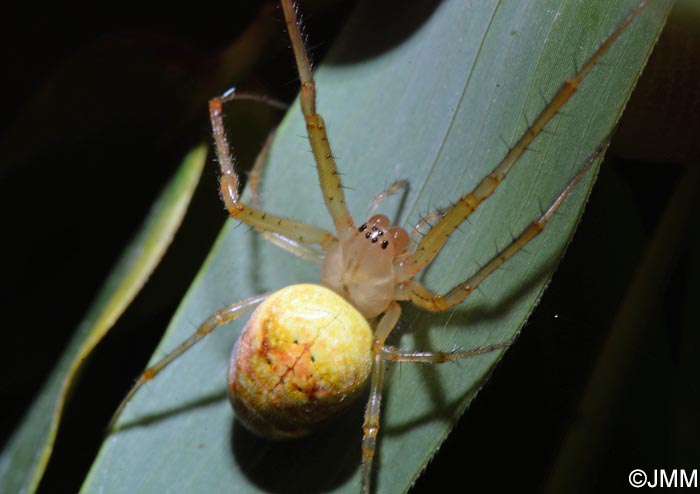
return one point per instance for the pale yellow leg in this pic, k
(394, 354)
(230, 184)
(434, 240)
(384, 195)
(418, 294)
(223, 316)
(329, 177)
(420, 228)
(291, 245)
(370, 427)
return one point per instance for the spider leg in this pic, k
(289, 244)
(383, 353)
(295, 230)
(384, 195)
(421, 296)
(418, 230)
(255, 175)
(219, 318)
(435, 239)
(327, 172)
(293, 246)
(370, 428)
(424, 298)
(232, 94)
(256, 172)
(395, 354)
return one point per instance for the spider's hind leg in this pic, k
(395, 354)
(219, 318)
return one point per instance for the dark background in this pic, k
(99, 107)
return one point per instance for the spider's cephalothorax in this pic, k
(360, 265)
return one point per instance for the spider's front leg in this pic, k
(230, 184)
(435, 239)
(380, 197)
(299, 249)
(418, 294)
(419, 229)
(415, 291)
(303, 235)
(329, 177)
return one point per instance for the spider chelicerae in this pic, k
(368, 268)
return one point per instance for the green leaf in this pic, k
(434, 96)
(24, 460)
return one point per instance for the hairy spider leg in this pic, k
(232, 94)
(223, 316)
(299, 249)
(230, 183)
(424, 224)
(290, 235)
(334, 198)
(256, 172)
(370, 426)
(435, 239)
(395, 354)
(422, 297)
(255, 175)
(292, 245)
(382, 196)
(329, 177)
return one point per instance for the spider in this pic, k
(368, 268)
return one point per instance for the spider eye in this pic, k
(368, 234)
(385, 244)
(374, 240)
(363, 227)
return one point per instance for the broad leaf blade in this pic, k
(435, 109)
